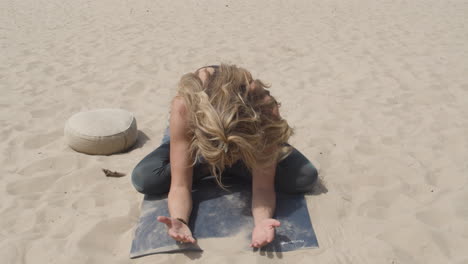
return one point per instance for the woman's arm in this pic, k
(263, 192)
(263, 204)
(180, 192)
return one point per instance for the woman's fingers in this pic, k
(189, 239)
(165, 220)
(180, 237)
(172, 234)
(184, 239)
(176, 236)
(175, 232)
(273, 222)
(257, 244)
(264, 234)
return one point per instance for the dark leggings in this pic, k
(152, 175)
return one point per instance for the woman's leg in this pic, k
(152, 175)
(294, 174)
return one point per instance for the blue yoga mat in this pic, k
(218, 213)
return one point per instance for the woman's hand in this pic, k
(264, 232)
(177, 230)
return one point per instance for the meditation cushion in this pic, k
(101, 131)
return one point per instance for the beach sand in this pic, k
(377, 93)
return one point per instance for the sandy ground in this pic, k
(376, 90)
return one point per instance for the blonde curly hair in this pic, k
(229, 120)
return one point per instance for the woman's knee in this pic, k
(303, 181)
(147, 181)
(307, 178)
(137, 178)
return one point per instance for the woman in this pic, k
(224, 123)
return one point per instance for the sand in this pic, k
(376, 92)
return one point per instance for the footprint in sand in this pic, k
(32, 65)
(61, 164)
(373, 210)
(19, 220)
(10, 252)
(49, 111)
(134, 89)
(49, 70)
(62, 78)
(37, 141)
(6, 133)
(104, 236)
(31, 185)
(461, 209)
(388, 141)
(433, 217)
(84, 203)
(64, 228)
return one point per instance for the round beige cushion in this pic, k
(101, 131)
